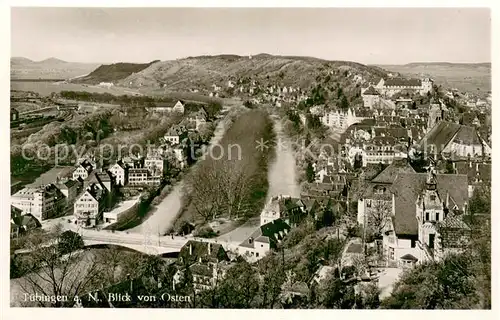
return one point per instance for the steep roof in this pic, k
(474, 170)
(194, 250)
(268, 233)
(96, 192)
(440, 135)
(467, 135)
(389, 174)
(401, 82)
(408, 186)
(371, 91)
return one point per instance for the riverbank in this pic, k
(162, 217)
(282, 179)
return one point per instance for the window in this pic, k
(413, 243)
(427, 216)
(256, 254)
(433, 197)
(437, 216)
(369, 203)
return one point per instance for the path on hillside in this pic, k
(282, 179)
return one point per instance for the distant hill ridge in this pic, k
(113, 72)
(450, 64)
(202, 72)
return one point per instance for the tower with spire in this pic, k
(430, 209)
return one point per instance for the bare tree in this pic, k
(378, 216)
(58, 273)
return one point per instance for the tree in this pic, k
(358, 161)
(344, 105)
(378, 216)
(370, 296)
(334, 294)
(239, 287)
(69, 241)
(310, 174)
(274, 277)
(53, 273)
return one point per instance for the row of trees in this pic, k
(235, 183)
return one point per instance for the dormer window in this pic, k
(433, 197)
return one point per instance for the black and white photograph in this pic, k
(250, 158)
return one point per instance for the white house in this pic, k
(179, 107)
(89, 206)
(41, 202)
(264, 239)
(118, 170)
(371, 98)
(83, 170)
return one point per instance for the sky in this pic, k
(370, 36)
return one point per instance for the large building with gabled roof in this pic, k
(455, 141)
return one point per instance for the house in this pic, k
(382, 149)
(176, 134)
(435, 115)
(155, 164)
(403, 103)
(343, 118)
(119, 171)
(132, 161)
(352, 254)
(104, 179)
(178, 107)
(14, 114)
(392, 86)
(422, 202)
(478, 173)
(20, 224)
(371, 97)
(160, 107)
(267, 237)
(377, 194)
(449, 139)
(88, 208)
(291, 210)
(207, 262)
(42, 202)
(199, 118)
(138, 176)
(83, 170)
(70, 189)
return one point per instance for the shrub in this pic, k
(204, 231)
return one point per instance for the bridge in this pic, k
(145, 243)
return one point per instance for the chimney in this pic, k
(209, 249)
(190, 249)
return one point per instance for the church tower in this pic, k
(429, 210)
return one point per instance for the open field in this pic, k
(46, 88)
